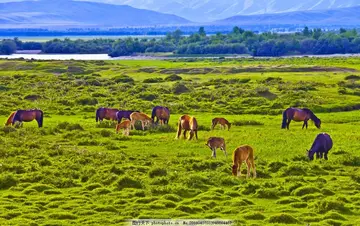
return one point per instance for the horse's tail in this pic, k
(98, 114)
(153, 113)
(41, 119)
(283, 125)
(179, 129)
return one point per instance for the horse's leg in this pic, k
(321, 155)
(196, 135)
(288, 123)
(325, 156)
(248, 164)
(214, 152)
(191, 135)
(185, 134)
(254, 168)
(306, 124)
(179, 133)
(142, 125)
(239, 169)
(317, 155)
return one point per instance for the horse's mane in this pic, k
(312, 115)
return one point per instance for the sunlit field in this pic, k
(74, 171)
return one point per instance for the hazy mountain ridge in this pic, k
(71, 13)
(342, 16)
(211, 10)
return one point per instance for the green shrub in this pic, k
(324, 206)
(173, 77)
(179, 88)
(123, 79)
(305, 190)
(7, 181)
(157, 172)
(128, 182)
(283, 218)
(62, 216)
(247, 123)
(153, 80)
(87, 101)
(254, 216)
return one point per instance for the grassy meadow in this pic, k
(76, 172)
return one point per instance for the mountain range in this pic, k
(211, 10)
(68, 13)
(71, 13)
(342, 16)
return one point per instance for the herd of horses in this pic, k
(320, 147)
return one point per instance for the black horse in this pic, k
(321, 146)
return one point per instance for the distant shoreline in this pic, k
(36, 55)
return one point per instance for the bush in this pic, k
(254, 216)
(157, 172)
(173, 77)
(69, 126)
(247, 123)
(123, 79)
(324, 206)
(283, 218)
(153, 80)
(7, 181)
(128, 182)
(87, 101)
(179, 88)
(305, 190)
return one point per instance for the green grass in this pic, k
(73, 171)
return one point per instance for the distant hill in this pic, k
(341, 16)
(68, 13)
(211, 10)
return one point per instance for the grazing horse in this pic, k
(106, 113)
(126, 125)
(139, 116)
(222, 122)
(241, 154)
(321, 146)
(123, 114)
(216, 142)
(28, 116)
(187, 123)
(162, 114)
(298, 115)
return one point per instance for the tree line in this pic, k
(238, 41)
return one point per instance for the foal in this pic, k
(139, 116)
(216, 142)
(222, 122)
(245, 154)
(126, 124)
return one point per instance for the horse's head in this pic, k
(318, 123)
(310, 154)
(234, 170)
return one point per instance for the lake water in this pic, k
(75, 57)
(106, 57)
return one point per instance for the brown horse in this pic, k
(188, 124)
(126, 125)
(28, 116)
(139, 116)
(162, 114)
(298, 115)
(106, 113)
(222, 122)
(216, 142)
(244, 153)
